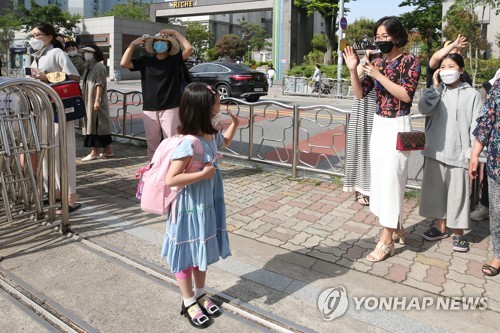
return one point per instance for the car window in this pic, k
(198, 69)
(210, 68)
(222, 69)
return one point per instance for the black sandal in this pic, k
(200, 320)
(208, 306)
(489, 270)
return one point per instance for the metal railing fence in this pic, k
(27, 141)
(302, 139)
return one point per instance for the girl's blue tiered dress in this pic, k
(199, 236)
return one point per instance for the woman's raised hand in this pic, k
(351, 58)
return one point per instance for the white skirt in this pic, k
(389, 169)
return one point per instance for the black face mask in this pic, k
(385, 46)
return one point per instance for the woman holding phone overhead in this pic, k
(395, 79)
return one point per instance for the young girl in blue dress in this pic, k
(198, 236)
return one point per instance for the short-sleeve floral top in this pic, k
(488, 131)
(405, 71)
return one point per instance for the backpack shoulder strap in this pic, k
(197, 158)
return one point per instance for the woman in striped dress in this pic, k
(357, 168)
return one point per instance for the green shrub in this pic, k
(486, 69)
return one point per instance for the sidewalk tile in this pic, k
(436, 275)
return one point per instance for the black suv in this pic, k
(231, 80)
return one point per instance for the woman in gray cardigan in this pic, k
(453, 107)
(97, 128)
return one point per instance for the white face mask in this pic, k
(72, 53)
(216, 120)
(88, 56)
(449, 76)
(36, 44)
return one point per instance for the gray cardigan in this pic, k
(453, 113)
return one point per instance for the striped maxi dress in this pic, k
(357, 161)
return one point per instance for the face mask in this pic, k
(88, 56)
(72, 53)
(385, 46)
(449, 76)
(216, 120)
(36, 44)
(160, 47)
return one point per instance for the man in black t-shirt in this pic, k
(161, 76)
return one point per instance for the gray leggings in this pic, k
(494, 194)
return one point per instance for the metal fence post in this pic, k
(250, 132)
(295, 140)
(124, 118)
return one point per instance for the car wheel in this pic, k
(253, 98)
(224, 91)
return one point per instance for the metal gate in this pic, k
(28, 160)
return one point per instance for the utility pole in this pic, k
(339, 51)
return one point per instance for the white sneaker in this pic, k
(89, 157)
(480, 213)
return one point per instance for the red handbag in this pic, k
(71, 96)
(410, 140)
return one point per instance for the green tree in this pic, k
(133, 9)
(199, 37)
(360, 31)
(317, 54)
(426, 19)
(318, 42)
(328, 9)
(63, 22)
(9, 22)
(257, 35)
(462, 19)
(230, 46)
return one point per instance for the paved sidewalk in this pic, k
(317, 219)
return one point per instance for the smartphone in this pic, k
(33, 71)
(375, 55)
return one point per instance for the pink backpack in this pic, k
(156, 197)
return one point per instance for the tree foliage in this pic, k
(230, 46)
(328, 9)
(63, 22)
(9, 22)
(360, 31)
(462, 19)
(256, 35)
(133, 9)
(426, 19)
(199, 37)
(318, 42)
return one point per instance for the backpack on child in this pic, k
(156, 197)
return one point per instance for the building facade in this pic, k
(490, 26)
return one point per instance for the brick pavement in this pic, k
(317, 219)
